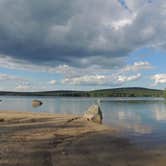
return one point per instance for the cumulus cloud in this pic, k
(102, 76)
(138, 66)
(23, 88)
(86, 79)
(122, 79)
(52, 82)
(97, 75)
(79, 33)
(159, 79)
(112, 80)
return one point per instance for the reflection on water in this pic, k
(142, 119)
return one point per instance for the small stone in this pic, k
(36, 103)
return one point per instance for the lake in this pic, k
(142, 120)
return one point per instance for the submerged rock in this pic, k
(94, 114)
(36, 103)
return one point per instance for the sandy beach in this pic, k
(42, 139)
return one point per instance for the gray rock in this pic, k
(36, 103)
(94, 114)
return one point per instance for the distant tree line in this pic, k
(164, 93)
(128, 92)
(118, 92)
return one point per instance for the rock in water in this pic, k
(94, 114)
(36, 103)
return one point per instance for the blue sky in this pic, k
(82, 45)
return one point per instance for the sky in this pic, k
(82, 45)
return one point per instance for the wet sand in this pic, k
(40, 139)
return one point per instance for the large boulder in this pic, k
(36, 103)
(94, 114)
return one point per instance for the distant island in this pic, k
(116, 92)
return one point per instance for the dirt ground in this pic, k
(40, 139)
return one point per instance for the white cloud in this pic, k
(122, 79)
(69, 71)
(159, 79)
(92, 75)
(52, 82)
(112, 80)
(87, 79)
(23, 87)
(138, 66)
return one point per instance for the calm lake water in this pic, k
(142, 120)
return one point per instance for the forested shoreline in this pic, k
(116, 92)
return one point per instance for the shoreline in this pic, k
(45, 139)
